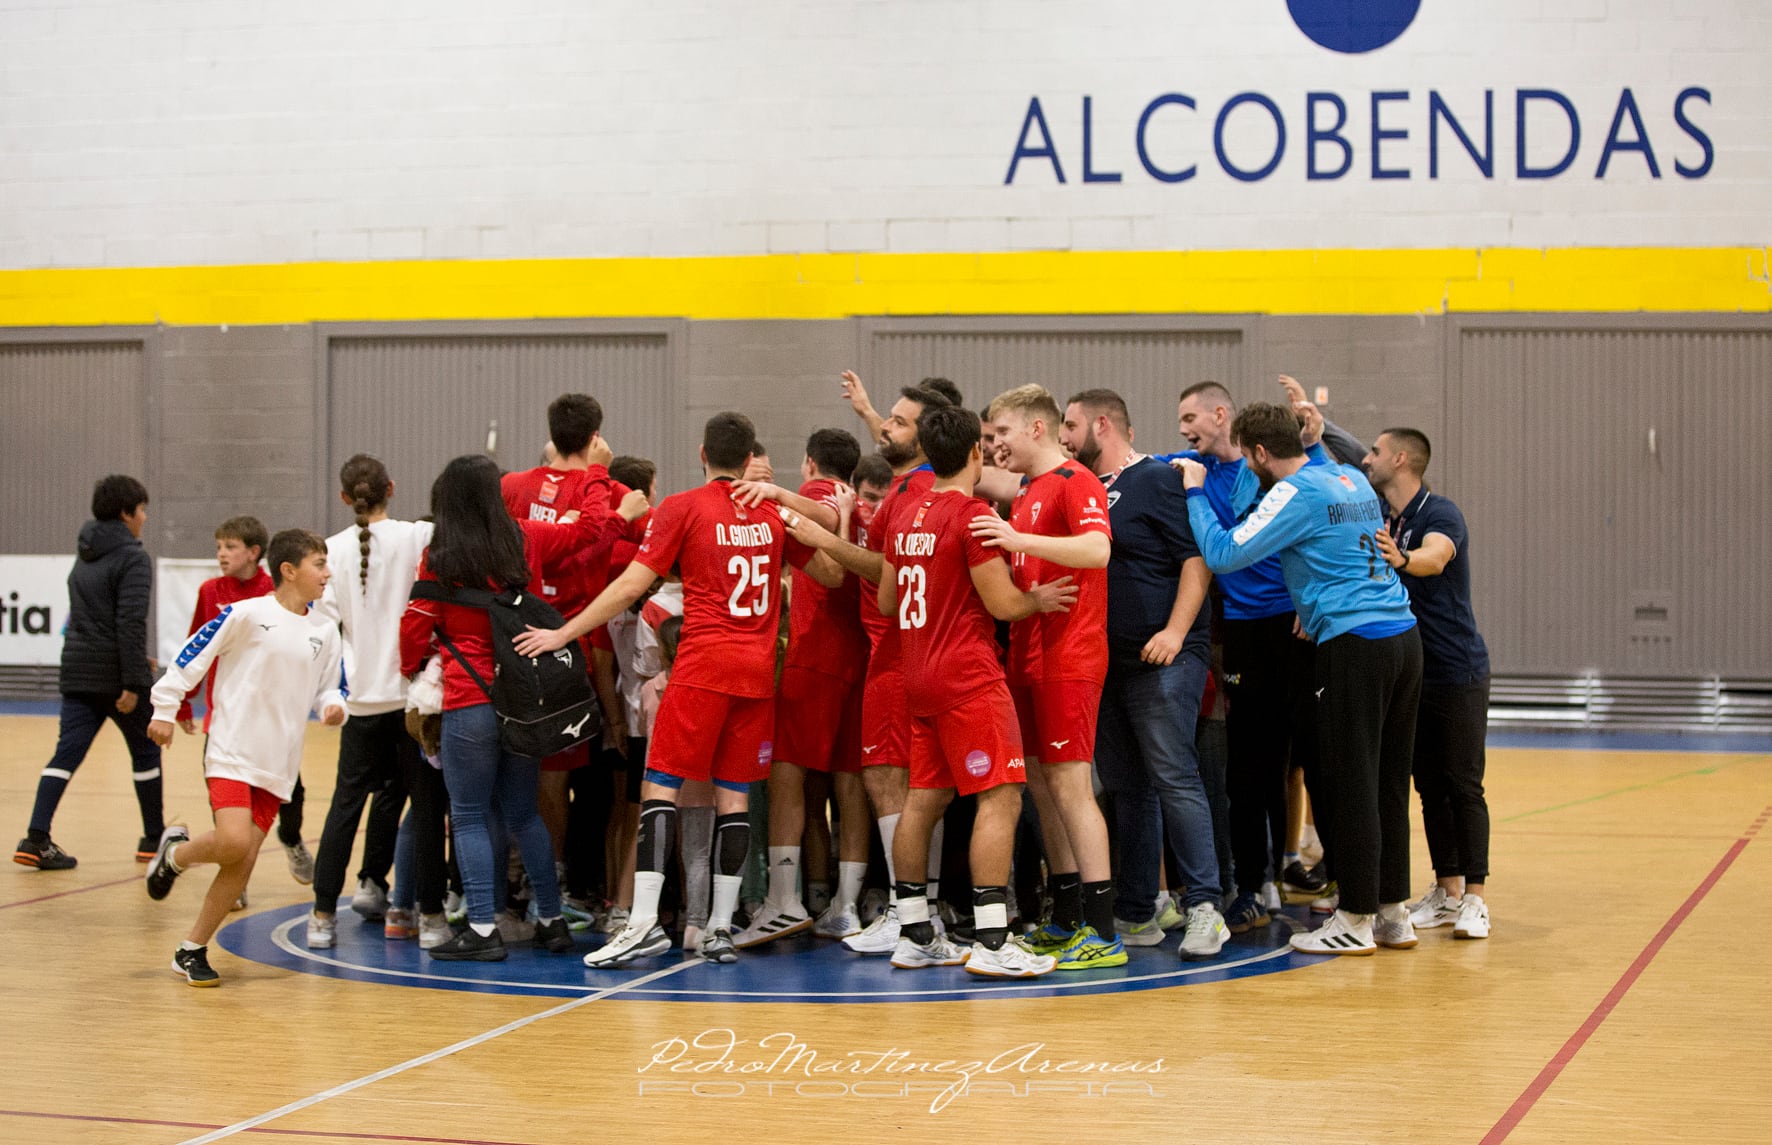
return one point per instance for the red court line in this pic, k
(75, 891)
(276, 1132)
(1523, 1104)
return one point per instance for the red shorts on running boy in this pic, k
(234, 793)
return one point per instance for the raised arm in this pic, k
(857, 396)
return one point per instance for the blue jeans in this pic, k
(1144, 752)
(486, 785)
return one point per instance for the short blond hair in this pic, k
(1030, 401)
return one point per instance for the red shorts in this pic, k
(1057, 719)
(701, 734)
(571, 759)
(235, 793)
(971, 747)
(818, 721)
(885, 722)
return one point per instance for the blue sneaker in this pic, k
(1050, 938)
(1246, 914)
(1090, 951)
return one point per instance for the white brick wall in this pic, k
(217, 131)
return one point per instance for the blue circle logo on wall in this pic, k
(1353, 26)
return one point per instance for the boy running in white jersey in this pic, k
(276, 662)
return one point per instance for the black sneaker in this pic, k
(1246, 914)
(469, 946)
(1304, 880)
(45, 856)
(144, 849)
(194, 965)
(554, 937)
(160, 875)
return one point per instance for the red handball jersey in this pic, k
(948, 639)
(1062, 502)
(882, 633)
(824, 624)
(543, 494)
(730, 559)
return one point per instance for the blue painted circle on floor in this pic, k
(801, 969)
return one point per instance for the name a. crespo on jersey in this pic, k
(914, 545)
(745, 535)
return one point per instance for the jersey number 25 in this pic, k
(750, 596)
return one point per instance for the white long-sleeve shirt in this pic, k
(370, 613)
(273, 668)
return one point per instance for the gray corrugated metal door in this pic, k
(74, 413)
(417, 402)
(1615, 485)
(1147, 368)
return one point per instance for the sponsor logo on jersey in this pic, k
(1113, 498)
(1058, 744)
(978, 764)
(766, 753)
(550, 489)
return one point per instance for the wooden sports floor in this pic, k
(1624, 997)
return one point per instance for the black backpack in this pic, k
(545, 704)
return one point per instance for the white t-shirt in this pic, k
(272, 669)
(370, 613)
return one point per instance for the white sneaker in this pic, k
(1169, 915)
(322, 931)
(513, 929)
(1433, 909)
(370, 901)
(881, 936)
(1146, 933)
(1344, 933)
(837, 922)
(630, 944)
(433, 930)
(614, 922)
(1206, 932)
(1010, 960)
(400, 923)
(1271, 901)
(771, 923)
(716, 945)
(1394, 932)
(938, 951)
(301, 863)
(1473, 918)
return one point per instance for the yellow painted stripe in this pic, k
(1726, 279)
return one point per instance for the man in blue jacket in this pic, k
(105, 672)
(1321, 520)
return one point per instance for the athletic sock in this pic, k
(1067, 900)
(732, 839)
(850, 876)
(990, 915)
(934, 867)
(187, 944)
(888, 829)
(913, 913)
(483, 929)
(172, 862)
(1098, 907)
(648, 885)
(784, 871)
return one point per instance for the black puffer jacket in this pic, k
(106, 647)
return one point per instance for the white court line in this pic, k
(280, 937)
(435, 1055)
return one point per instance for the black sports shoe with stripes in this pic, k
(161, 876)
(194, 965)
(45, 856)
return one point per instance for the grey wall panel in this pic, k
(1146, 364)
(75, 411)
(416, 401)
(1616, 484)
(1724, 532)
(237, 423)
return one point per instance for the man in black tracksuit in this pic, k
(105, 672)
